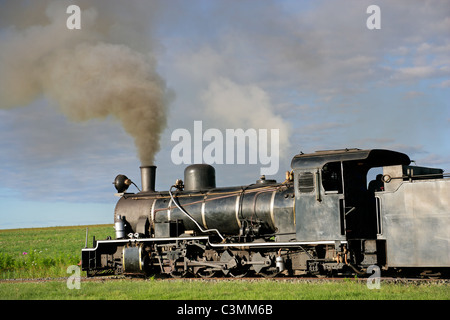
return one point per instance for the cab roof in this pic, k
(371, 158)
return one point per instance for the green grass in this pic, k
(44, 252)
(222, 290)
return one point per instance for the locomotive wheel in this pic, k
(269, 272)
(179, 275)
(207, 273)
(177, 269)
(238, 273)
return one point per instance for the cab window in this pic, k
(332, 177)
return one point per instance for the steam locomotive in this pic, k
(324, 219)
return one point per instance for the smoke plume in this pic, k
(105, 69)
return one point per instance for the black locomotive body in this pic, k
(323, 219)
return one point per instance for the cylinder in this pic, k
(199, 177)
(148, 177)
(132, 260)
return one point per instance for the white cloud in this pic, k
(444, 84)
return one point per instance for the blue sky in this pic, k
(309, 68)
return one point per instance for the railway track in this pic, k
(395, 280)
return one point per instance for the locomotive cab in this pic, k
(332, 198)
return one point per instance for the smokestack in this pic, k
(148, 177)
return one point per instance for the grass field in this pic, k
(222, 290)
(44, 252)
(47, 252)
